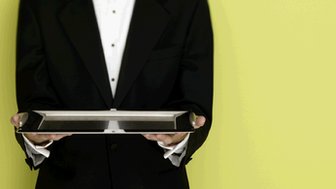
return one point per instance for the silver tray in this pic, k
(106, 122)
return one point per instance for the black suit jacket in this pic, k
(167, 64)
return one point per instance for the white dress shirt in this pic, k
(113, 18)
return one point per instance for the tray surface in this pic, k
(105, 122)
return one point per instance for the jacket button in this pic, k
(113, 146)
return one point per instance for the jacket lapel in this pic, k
(148, 22)
(79, 21)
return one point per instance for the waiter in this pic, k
(122, 54)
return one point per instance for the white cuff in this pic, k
(35, 152)
(175, 153)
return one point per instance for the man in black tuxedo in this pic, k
(167, 64)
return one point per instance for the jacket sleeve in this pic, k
(196, 75)
(33, 86)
